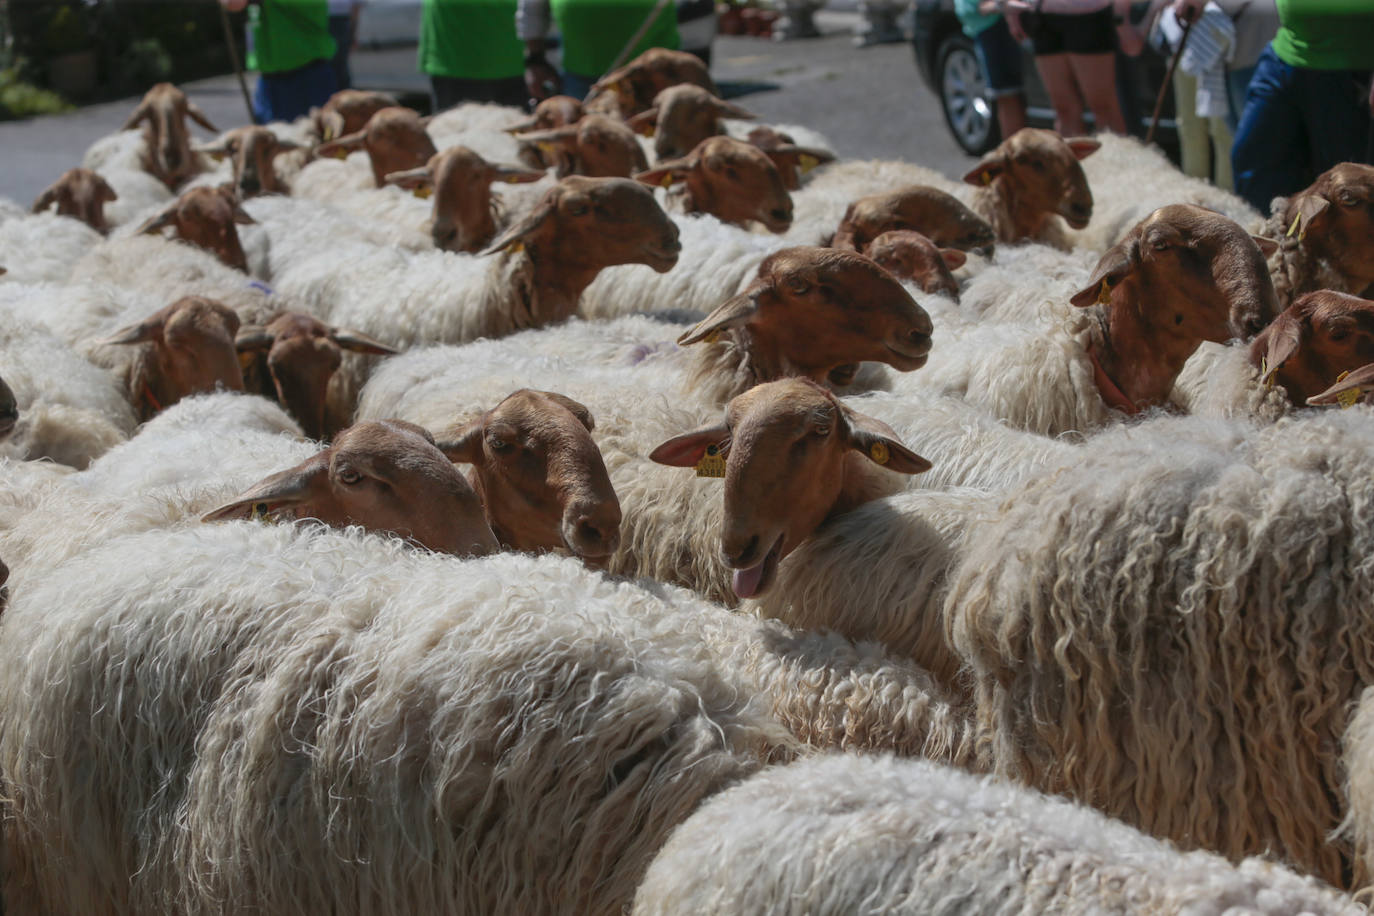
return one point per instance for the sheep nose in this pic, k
(595, 537)
(1081, 210)
(741, 559)
(9, 416)
(781, 215)
(919, 340)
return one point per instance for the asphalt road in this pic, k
(870, 102)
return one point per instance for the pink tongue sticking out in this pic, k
(746, 581)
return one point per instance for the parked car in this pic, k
(946, 60)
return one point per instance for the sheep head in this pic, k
(1182, 275)
(811, 310)
(1334, 218)
(1316, 338)
(596, 146)
(394, 138)
(729, 179)
(681, 117)
(792, 161)
(539, 475)
(555, 111)
(1360, 381)
(163, 113)
(9, 410)
(253, 152)
(911, 256)
(348, 111)
(929, 211)
(632, 88)
(205, 217)
(385, 476)
(1038, 173)
(189, 350)
(794, 456)
(80, 194)
(301, 355)
(461, 184)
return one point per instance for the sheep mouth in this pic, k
(661, 259)
(773, 224)
(1077, 220)
(7, 424)
(753, 581)
(907, 358)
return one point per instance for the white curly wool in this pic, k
(290, 230)
(323, 721)
(44, 247)
(1358, 757)
(479, 127)
(864, 836)
(1184, 612)
(139, 195)
(1219, 381)
(821, 203)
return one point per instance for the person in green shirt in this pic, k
(292, 50)
(469, 50)
(594, 33)
(1308, 104)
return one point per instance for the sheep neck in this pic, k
(558, 279)
(1141, 361)
(1021, 221)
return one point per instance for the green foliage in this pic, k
(22, 100)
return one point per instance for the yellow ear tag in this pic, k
(987, 177)
(510, 179)
(807, 162)
(1294, 228)
(1264, 373)
(329, 133)
(1349, 397)
(711, 338)
(517, 247)
(546, 147)
(879, 453)
(1104, 295)
(711, 463)
(246, 359)
(259, 513)
(340, 153)
(423, 191)
(667, 181)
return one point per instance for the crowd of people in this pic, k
(1268, 93)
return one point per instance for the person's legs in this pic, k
(577, 85)
(1222, 139)
(449, 91)
(1236, 83)
(1194, 149)
(287, 96)
(1269, 156)
(341, 30)
(1000, 59)
(1095, 75)
(1057, 76)
(1335, 105)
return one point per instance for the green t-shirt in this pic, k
(974, 23)
(470, 39)
(1326, 34)
(594, 31)
(288, 34)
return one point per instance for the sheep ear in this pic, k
(577, 409)
(144, 331)
(1309, 211)
(526, 227)
(217, 150)
(358, 342)
(344, 145)
(1112, 268)
(291, 487)
(139, 114)
(552, 138)
(242, 218)
(253, 337)
(155, 223)
(286, 146)
(667, 173)
(1267, 247)
(522, 126)
(1285, 337)
(410, 179)
(953, 258)
(465, 445)
(687, 450)
(331, 124)
(876, 440)
(732, 313)
(1083, 147)
(645, 123)
(726, 109)
(107, 193)
(44, 201)
(511, 174)
(199, 117)
(804, 158)
(984, 172)
(1362, 377)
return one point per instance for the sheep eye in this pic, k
(1160, 245)
(798, 287)
(349, 476)
(577, 209)
(732, 174)
(498, 444)
(823, 429)
(1347, 199)
(1337, 333)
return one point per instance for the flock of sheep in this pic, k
(818, 517)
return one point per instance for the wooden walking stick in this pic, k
(1168, 80)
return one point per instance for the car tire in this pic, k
(963, 96)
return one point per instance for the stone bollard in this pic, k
(879, 23)
(798, 19)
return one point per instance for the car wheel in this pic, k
(963, 96)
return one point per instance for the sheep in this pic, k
(394, 138)
(732, 180)
(1157, 306)
(930, 211)
(252, 151)
(1323, 234)
(459, 180)
(596, 146)
(1221, 381)
(206, 218)
(912, 256)
(290, 230)
(80, 194)
(628, 90)
(1318, 337)
(1029, 180)
(1351, 389)
(792, 160)
(166, 152)
(555, 111)
(44, 247)
(1172, 629)
(877, 835)
(348, 111)
(683, 116)
(293, 357)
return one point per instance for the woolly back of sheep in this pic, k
(1171, 630)
(863, 836)
(1358, 751)
(307, 721)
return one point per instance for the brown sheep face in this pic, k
(384, 476)
(596, 146)
(460, 180)
(163, 113)
(1040, 173)
(792, 453)
(1335, 218)
(9, 410)
(253, 152)
(732, 180)
(348, 111)
(792, 161)
(395, 140)
(555, 111)
(80, 194)
(911, 256)
(682, 117)
(206, 218)
(632, 88)
(929, 211)
(540, 476)
(811, 310)
(1316, 339)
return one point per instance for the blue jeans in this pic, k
(286, 96)
(1297, 124)
(1237, 82)
(576, 85)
